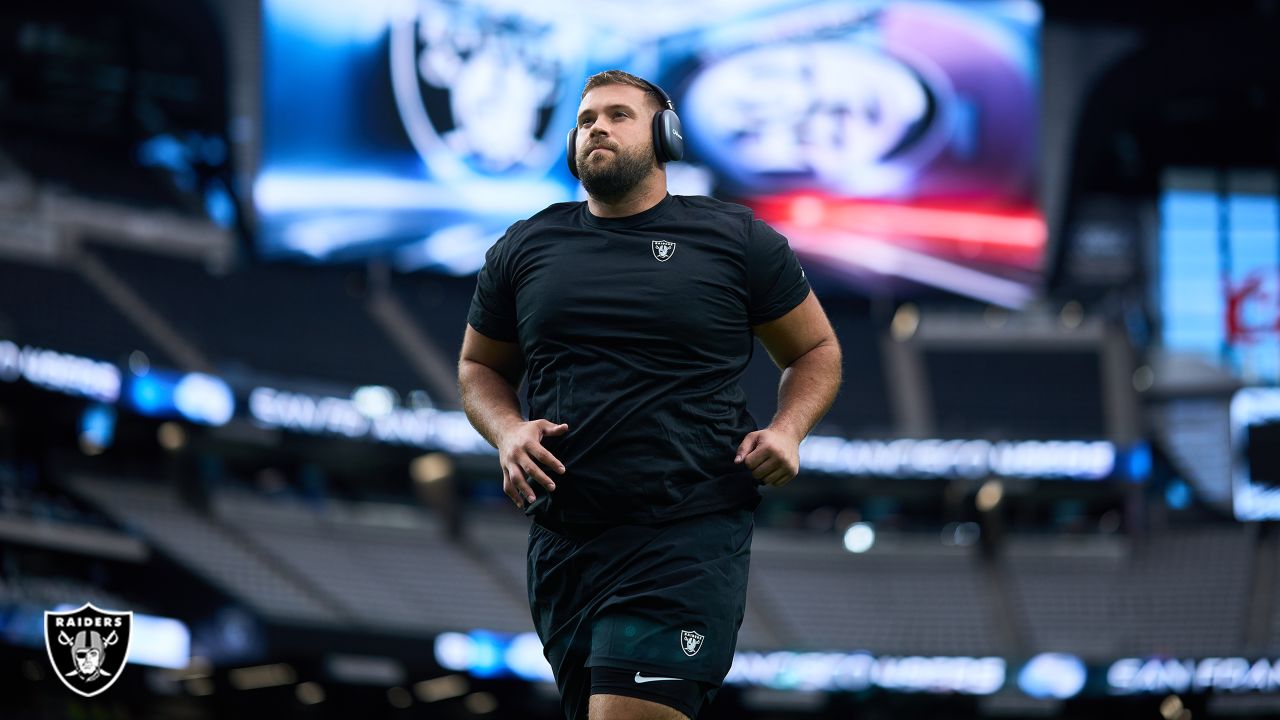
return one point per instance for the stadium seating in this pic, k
(279, 321)
(919, 599)
(393, 568)
(210, 550)
(1181, 593)
(57, 309)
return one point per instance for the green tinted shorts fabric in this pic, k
(659, 600)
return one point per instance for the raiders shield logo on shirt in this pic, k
(88, 647)
(663, 250)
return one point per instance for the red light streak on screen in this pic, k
(1014, 237)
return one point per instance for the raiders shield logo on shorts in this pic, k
(88, 647)
(663, 250)
(691, 642)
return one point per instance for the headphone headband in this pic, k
(662, 94)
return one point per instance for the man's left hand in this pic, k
(772, 456)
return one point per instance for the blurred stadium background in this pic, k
(238, 240)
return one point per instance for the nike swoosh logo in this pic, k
(642, 679)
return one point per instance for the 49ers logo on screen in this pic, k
(88, 647)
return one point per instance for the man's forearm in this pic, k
(807, 389)
(488, 399)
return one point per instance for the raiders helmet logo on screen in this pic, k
(88, 647)
(691, 642)
(481, 87)
(663, 250)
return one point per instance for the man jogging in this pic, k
(631, 318)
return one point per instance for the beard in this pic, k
(612, 181)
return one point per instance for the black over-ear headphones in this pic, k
(668, 136)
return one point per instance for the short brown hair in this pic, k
(621, 77)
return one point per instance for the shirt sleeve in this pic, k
(776, 282)
(493, 306)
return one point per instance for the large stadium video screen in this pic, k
(894, 143)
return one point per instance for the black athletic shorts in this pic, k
(662, 601)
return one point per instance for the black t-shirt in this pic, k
(635, 332)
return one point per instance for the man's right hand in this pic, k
(523, 458)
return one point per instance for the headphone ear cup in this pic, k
(668, 136)
(571, 151)
(674, 134)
